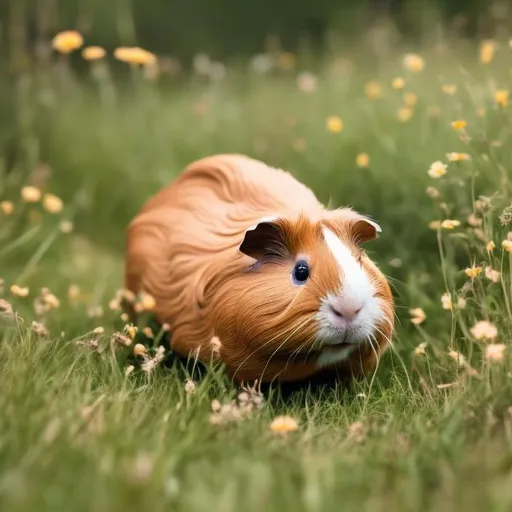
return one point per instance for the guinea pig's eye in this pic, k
(301, 272)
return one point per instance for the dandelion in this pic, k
(487, 51)
(7, 207)
(119, 338)
(39, 330)
(492, 275)
(450, 224)
(398, 83)
(449, 89)
(494, 352)
(460, 124)
(405, 114)
(420, 349)
(501, 97)
(373, 90)
(135, 55)
(307, 82)
(93, 53)
(484, 330)
(19, 291)
(437, 169)
(458, 157)
(507, 245)
(31, 194)
(363, 160)
(490, 246)
(67, 41)
(446, 301)
(435, 225)
(6, 310)
(140, 350)
(334, 124)
(433, 192)
(413, 62)
(418, 316)
(52, 203)
(473, 272)
(131, 330)
(283, 425)
(190, 387)
(410, 99)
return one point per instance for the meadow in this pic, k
(418, 138)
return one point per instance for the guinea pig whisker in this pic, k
(268, 342)
(300, 326)
(297, 351)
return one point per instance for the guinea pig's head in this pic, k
(307, 299)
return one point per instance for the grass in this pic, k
(431, 430)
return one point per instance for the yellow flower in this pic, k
(501, 97)
(135, 55)
(19, 291)
(458, 157)
(507, 245)
(484, 330)
(410, 99)
(52, 203)
(7, 207)
(473, 272)
(398, 83)
(435, 224)
(437, 169)
(413, 62)
(334, 124)
(420, 349)
(373, 90)
(140, 350)
(450, 224)
(459, 125)
(67, 41)
(449, 89)
(491, 274)
(405, 114)
(93, 53)
(284, 424)
(494, 352)
(418, 316)
(446, 301)
(148, 332)
(131, 330)
(490, 246)
(363, 160)
(146, 303)
(31, 194)
(487, 51)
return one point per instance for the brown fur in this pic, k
(183, 248)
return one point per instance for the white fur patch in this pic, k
(355, 292)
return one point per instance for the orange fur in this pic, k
(183, 248)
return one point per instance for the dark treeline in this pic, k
(225, 28)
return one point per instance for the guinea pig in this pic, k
(248, 268)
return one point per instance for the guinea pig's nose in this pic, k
(347, 312)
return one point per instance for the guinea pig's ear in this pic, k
(264, 239)
(360, 228)
(363, 230)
